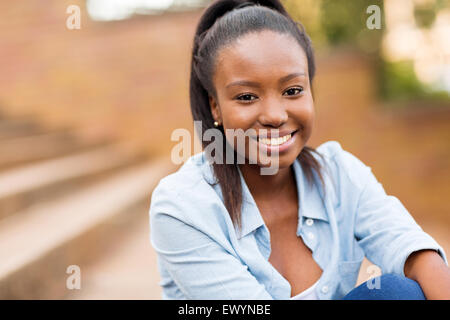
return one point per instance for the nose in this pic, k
(273, 113)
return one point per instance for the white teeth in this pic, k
(275, 141)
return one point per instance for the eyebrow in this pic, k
(257, 85)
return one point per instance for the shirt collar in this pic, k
(310, 200)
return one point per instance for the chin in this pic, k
(284, 160)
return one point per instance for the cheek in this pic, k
(311, 113)
(238, 117)
(305, 114)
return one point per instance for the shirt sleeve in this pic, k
(383, 227)
(201, 267)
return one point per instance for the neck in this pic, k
(262, 186)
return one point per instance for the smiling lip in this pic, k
(280, 134)
(281, 147)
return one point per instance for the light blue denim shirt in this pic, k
(202, 256)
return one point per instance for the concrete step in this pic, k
(128, 270)
(25, 149)
(18, 127)
(40, 181)
(37, 246)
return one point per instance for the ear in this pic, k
(215, 110)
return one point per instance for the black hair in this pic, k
(221, 23)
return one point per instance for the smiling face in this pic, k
(262, 82)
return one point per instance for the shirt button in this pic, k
(310, 235)
(309, 222)
(325, 289)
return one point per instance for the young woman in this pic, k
(225, 231)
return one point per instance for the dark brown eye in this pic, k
(294, 90)
(242, 97)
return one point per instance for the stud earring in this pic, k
(216, 124)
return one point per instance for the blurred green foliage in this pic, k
(337, 23)
(425, 12)
(344, 22)
(398, 82)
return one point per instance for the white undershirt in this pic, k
(308, 294)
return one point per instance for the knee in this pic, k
(387, 287)
(396, 279)
(402, 287)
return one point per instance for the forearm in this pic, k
(429, 269)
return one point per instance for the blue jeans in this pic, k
(387, 287)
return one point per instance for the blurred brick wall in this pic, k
(128, 76)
